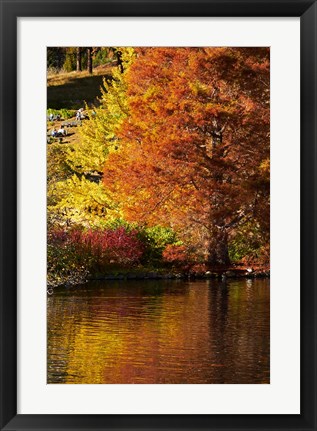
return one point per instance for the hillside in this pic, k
(67, 92)
(71, 90)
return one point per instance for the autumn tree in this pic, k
(194, 150)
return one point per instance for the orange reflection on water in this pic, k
(160, 332)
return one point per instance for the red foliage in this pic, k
(176, 254)
(195, 143)
(113, 246)
(98, 249)
(198, 269)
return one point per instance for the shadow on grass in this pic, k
(75, 92)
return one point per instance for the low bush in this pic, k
(246, 243)
(73, 254)
(117, 247)
(65, 265)
(156, 239)
(177, 255)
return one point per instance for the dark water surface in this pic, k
(160, 332)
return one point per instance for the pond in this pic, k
(160, 331)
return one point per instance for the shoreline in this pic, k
(230, 274)
(220, 275)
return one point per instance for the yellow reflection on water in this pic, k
(160, 332)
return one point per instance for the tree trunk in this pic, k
(78, 59)
(89, 60)
(119, 61)
(218, 254)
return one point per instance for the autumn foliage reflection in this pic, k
(160, 332)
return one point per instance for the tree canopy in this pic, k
(194, 150)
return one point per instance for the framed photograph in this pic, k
(158, 196)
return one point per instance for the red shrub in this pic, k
(113, 246)
(94, 249)
(175, 254)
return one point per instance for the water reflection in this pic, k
(160, 332)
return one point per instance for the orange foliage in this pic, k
(194, 146)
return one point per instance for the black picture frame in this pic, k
(10, 11)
